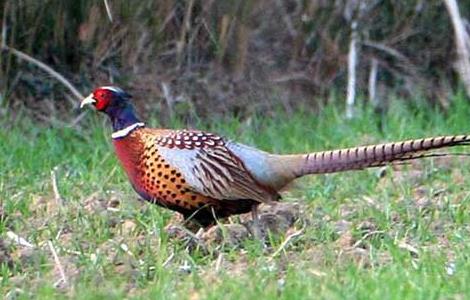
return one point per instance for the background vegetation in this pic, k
(237, 56)
(271, 74)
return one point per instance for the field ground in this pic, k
(393, 233)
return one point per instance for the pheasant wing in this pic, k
(223, 176)
(210, 168)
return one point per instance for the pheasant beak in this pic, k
(87, 100)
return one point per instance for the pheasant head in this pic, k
(114, 102)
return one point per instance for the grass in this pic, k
(406, 233)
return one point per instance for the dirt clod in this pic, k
(230, 234)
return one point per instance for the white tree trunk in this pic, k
(352, 61)
(374, 65)
(461, 43)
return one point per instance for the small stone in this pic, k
(342, 226)
(5, 257)
(346, 240)
(230, 234)
(128, 227)
(114, 203)
(367, 226)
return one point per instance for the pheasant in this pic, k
(204, 176)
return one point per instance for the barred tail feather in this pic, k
(376, 155)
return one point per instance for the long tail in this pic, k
(288, 167)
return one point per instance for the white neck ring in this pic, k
(125, 131)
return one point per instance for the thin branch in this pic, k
(366, 236)
(58, 264)
(77, 120)
(406, 246)
(126, 249)
(168, 97)
(19, 240)
(108, 10)
(46, 68)
(296, 76)
(57, 197)
(219, 262)
(389, 50)
(166, 21)
(168, 260)
(286, 242)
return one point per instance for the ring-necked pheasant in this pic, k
(204, 176)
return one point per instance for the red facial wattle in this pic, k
(102, 97)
